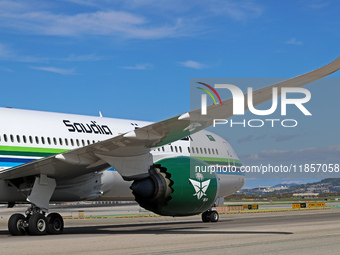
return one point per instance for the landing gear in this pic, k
(210, 216)
(55, 224)
(35, 223)
(16, 224)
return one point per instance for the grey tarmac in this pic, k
(292, 232)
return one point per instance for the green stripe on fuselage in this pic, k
(29, 151)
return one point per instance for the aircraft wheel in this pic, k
(214, 217)
(55, 224)
(37, 224)
(16, 224)
(205, 217)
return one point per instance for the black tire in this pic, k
(55, 224)
(16, 225)
(214, 217)
(37, 224)
(205, 217)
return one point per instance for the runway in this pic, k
(298, 232)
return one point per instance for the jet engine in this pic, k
(179, 186)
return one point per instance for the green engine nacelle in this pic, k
(178, 186)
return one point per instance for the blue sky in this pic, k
(134, 59)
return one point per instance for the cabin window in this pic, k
(55, 141)
(60, 141)
(172, 149)
(24, 139)
(201, 150)
(197, 150)
(72, 143)
(217, 151)
(12, 138)
(18, 139)
(77, 142)
(176, 148)
(88, 142)
(83, 142)
(93, 141)
(66, 142)
(42, 140)
(48, 140)
(209, 150)
(31, 139)
(37, 140)
(5, 138)
(213, 151)
(189, 149)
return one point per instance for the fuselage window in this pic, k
(31, 139)
(176, 148)
(37, 140)
(209, 150)
(12, 138)
(201, 150)
(42, 140)
(77, 142)
(217, 151)
(88, 142)
(213, 151)
(18, 139)
(66, 142)
(163, 149)
(54, 141)
(72, 143)
(49, 140)
(172, 149)
(60, 141)
(24, 139)
(205, 151)
(5, 138)
(189, 149)
(83, 142)
(93, 141)
(197, 150)
(180, 149)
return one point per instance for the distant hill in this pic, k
(329, 185)
(285, 184)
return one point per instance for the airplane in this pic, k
(53, 157)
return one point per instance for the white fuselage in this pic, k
(30, 135)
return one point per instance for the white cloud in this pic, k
(82, 58)
(144, 66)
(293, 41)
(192, 64)
(237, 10)
(54, 70)
(107, 23)
(143, 19)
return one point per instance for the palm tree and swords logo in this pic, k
(200, 186)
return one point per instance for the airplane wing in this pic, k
(130, 154)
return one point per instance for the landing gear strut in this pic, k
(35, 223)
(210, 216)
